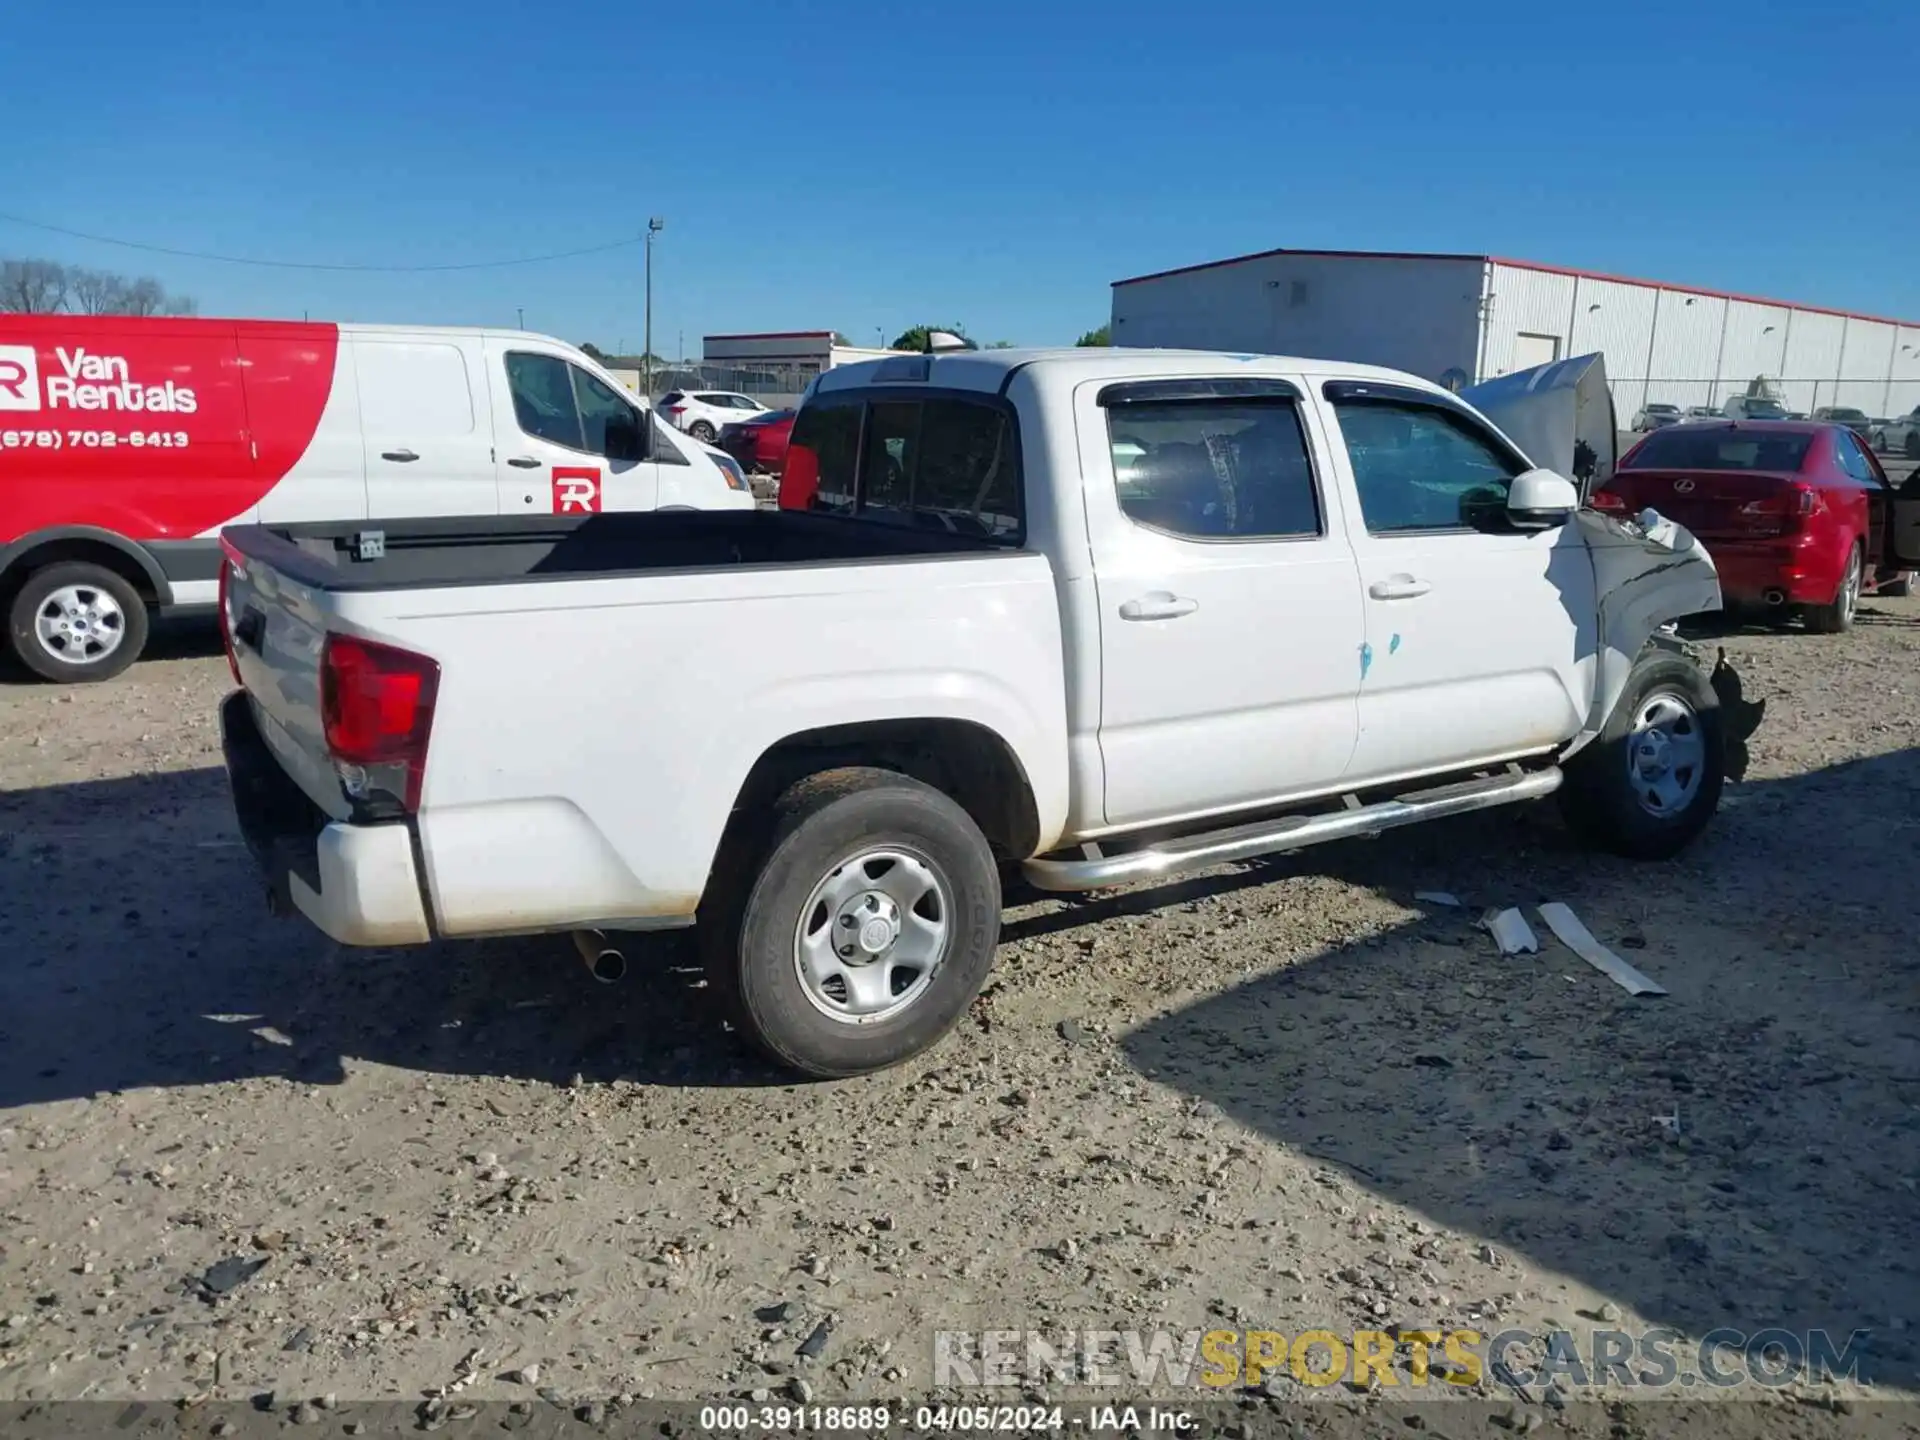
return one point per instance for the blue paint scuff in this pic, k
(1393, 645)
(1366, 659)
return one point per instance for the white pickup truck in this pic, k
(1098, 616)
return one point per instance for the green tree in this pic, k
(593, 352)
(1102, 336)
(916, 338)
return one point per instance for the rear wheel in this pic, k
(1836, 618)
(1899, 588)
(855, 933)
(76, 622)
(1650, 782)
(701, 431)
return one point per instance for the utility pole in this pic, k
(654, 226)
(519, 317)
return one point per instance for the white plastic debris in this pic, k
(1577, 938)
(1511, 932)
(1437, 897)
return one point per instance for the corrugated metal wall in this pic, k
(1866, 362)
(1755, 343)
(1415, 314)
(1617, 320)
(1903, 390)
(1523, 302)
(1685, 350)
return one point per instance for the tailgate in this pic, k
(275, 627)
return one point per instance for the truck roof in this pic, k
(989, 370)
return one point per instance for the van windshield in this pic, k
(1716, 449)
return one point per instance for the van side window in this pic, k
(1421, 467)
(543, 402)
(598, 404)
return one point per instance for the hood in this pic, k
(1560, 415)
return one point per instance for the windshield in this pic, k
(1765, 410)
(1846, 415)
(772, 417)
(1719, 450)
(1658, 409)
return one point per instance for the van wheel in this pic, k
(74, 623)
(1836, 618)
(701, 431)
(1650, 781)
(865, 928)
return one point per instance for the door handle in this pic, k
(402, 455)
(1160, 605)
(1400, 587)
(523, 462)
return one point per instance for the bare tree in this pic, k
(94, 292)
(32, 287)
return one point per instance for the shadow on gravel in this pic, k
(138, 952)
(1517, 1099)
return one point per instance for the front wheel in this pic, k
(1836, 617)
(867, 929)
(75, 622)
(701, 431)
(1650, 781)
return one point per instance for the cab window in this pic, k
(1421, 467)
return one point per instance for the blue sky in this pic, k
(867, 166)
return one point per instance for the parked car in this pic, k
(701, 413)
(1701, 412)
(760, 444)
(1653, 415)
(821, 735)
(1752, 407)
(126, 443)
(1855, 420)
(1902, 436)
(1799, 517)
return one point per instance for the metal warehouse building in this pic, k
(1459, 319)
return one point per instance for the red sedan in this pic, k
(1799, 517)
(760, 444)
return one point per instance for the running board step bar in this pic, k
(1290, 832)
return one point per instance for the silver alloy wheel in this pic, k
(1849, 596)
(872, 935)
(80, 624)
(1666, 754)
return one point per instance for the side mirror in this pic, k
(1540, 500)
(625, 440)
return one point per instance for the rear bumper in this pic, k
(357, 883)
(1786, 572)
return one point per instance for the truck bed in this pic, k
(434, 553)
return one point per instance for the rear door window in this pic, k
(939, 462)
(1214, 469)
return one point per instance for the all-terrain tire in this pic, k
(821, 838)
(1614, 799)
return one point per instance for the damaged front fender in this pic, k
(1647, 572)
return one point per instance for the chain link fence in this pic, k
(1876, 399)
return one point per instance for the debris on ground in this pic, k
(1576, 937)
(225, 1276)
(1511, 932)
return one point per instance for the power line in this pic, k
(304, 265)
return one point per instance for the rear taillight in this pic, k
(1793, 500)
(376, 707)
(676, 411)
(229, 562)
(1607, 502)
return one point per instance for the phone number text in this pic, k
(92, 440)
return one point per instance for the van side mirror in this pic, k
(1540, 500)
(625, 440)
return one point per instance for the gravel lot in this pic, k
(1285, 1095)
